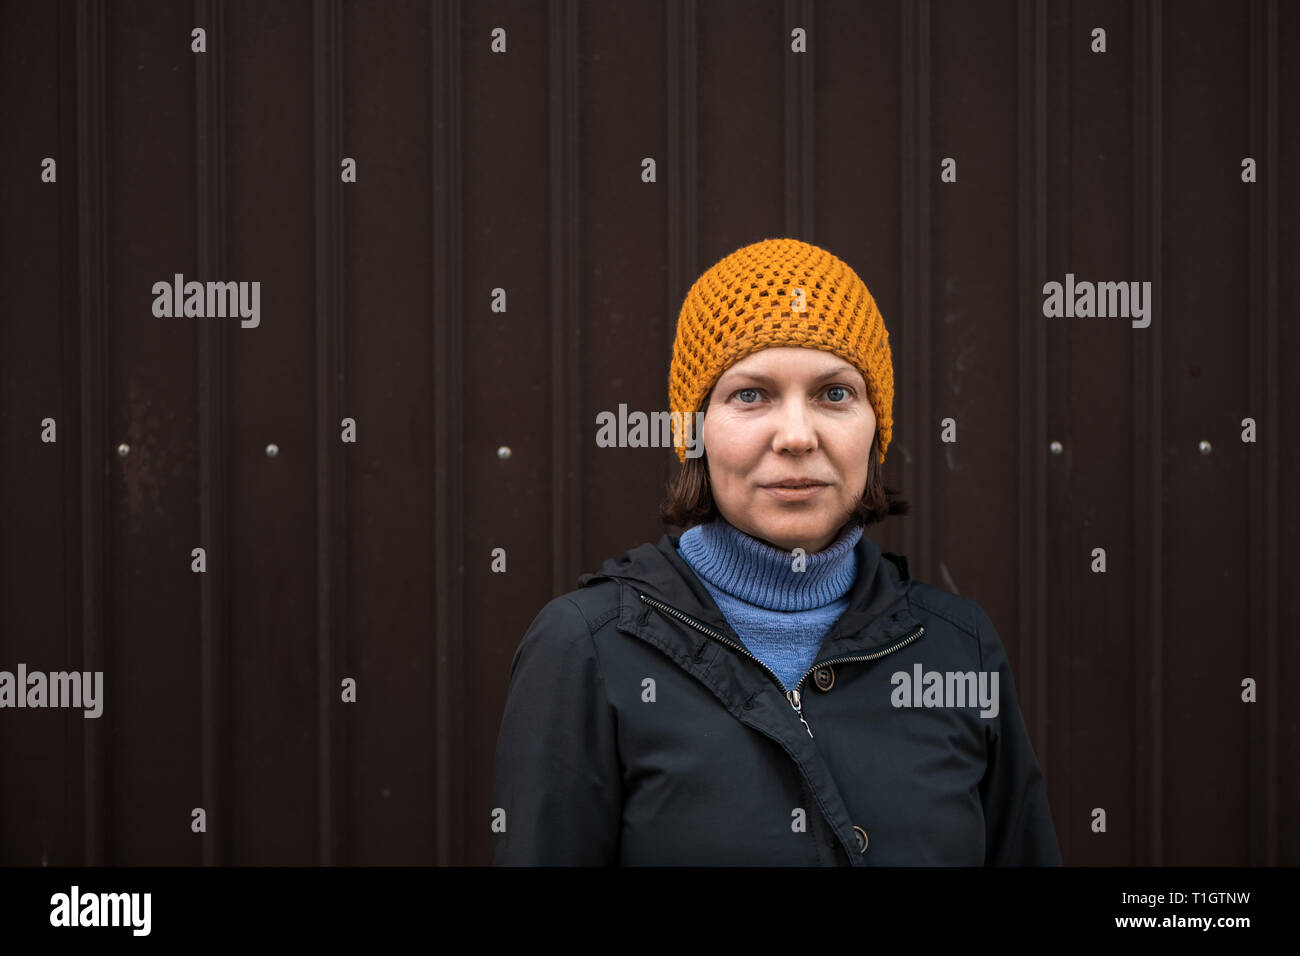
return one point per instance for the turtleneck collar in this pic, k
(759, 574)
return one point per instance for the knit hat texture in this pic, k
(748, 301)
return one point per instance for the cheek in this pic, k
(727, 472)
(732, 446)
(854, 465)
(859, 486)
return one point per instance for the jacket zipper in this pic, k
(792, 696)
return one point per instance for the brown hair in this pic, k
(690, 499)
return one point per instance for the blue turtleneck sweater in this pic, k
(779, 613)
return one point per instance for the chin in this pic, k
(781, 529)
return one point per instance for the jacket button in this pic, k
(862, 839)
(824, 678)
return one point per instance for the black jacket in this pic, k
(638, 730)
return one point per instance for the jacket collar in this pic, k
(879, 610)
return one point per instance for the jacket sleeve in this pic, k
(1017, 818)
(557, 781)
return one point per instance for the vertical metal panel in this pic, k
(1055, 567)
(566, 349)
(1263, 395)
(1287, 434)
(917, 375)
(622, 306)
(153, 672)
(1090, 176)
(331, 363)
(1147, 437)
(975, 311)
(1027, 658)
(973, 303)
(681, 138)
(501, 102)
(91, 298)
(800, 137)
(984, 307)
(210, 211)
(75, 843)
(1205, 542)
(450, 448)
(1047, 507)
(391, 590)
(740, 180)
(273, 648)
(39, 500)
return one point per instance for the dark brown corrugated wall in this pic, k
(515, 178)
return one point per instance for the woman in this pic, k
(768, 687)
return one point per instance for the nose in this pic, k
(794, 429)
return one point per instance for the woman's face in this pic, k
(781, 414)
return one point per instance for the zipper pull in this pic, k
(793, 697)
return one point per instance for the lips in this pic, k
(796, 490)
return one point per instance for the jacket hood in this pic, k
(880, 590)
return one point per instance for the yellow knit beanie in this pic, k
(751, 300)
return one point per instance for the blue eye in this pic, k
(744, 390)
(838, 388)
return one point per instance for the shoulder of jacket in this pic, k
(598, 603)
(559, 643)
(594, 606)
(960, 612)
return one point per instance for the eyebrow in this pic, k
(765, 380)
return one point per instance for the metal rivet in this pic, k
(1056, 447)
(123, 450)
(503, 452)
(272, 450)
(1205, 447)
